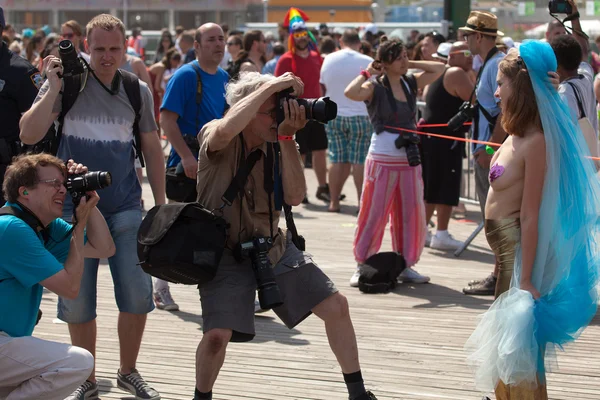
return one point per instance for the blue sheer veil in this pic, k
(516, 339)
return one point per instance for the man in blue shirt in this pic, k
(187, 105)
(480, 33)
(52, 257)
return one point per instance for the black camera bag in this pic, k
(181, 243)
(184, 243)
(379, 273)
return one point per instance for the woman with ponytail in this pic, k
(393, 183)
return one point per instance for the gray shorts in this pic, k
(228, 300)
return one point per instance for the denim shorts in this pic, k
(349, 139)
(133, 287)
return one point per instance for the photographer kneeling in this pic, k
(228, 300)
(50, 256)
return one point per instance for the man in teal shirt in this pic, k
(50, 256)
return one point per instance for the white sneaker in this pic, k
(428, 238)
(164, 301)
(409, 275)
(445, 242)
(355, 276)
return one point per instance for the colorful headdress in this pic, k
(295, 20)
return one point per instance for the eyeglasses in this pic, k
(68, 35)
(466, 53)
(55, 183)
(300, 34)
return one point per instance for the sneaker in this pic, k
(354, 278)
(164, 301)
(305, 200)
(257, 308)
(409, 275)
(366, 396)
(486, 287)
(428, 238)
(475, 282)
(444, 242)
(87, 391)
(134, 384)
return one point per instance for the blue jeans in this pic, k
(133, 287)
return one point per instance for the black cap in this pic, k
(2, 21)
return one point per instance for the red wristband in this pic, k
(284, 138)
(365, 73)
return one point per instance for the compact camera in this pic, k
(71, 63)
(321, 110)
(78, 184)
(258, 251)
(560, 7)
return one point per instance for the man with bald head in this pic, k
(442, 158)
(194, 96)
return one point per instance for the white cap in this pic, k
(443, 51)
(509, 42)
(371, 28)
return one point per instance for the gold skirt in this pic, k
(503, 236)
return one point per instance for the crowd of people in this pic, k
(213, 93)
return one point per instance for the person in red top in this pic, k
(305, 63)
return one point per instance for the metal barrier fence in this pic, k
(468, 192)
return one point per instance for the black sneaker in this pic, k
(486, 287)
(134, 384)
(323, 194)
(87, 391)
(366, 396)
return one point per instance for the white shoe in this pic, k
(354, 279)
(428, 238)
(409, 275)
(445, 241)
(164, 301)
(257, 308)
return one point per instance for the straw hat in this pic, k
(482, 22)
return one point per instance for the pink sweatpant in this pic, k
(393, 187)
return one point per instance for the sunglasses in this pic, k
(466, 53)
(300, 34)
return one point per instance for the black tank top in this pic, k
(441, 107)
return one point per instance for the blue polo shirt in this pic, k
(24, 262)
(485, 97)
(180, 98)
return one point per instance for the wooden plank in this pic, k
(411, 340)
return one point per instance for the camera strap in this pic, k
(198, 93)
(409, 92)
(29, 218)
(582, 113)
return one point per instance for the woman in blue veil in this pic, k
(543, 209)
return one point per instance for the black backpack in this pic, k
(72, 86)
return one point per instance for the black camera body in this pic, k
(258, 251)
(71, 63)
(78, 184)
(410, 141)
(321, 110)
(465, 113)
(560, 7)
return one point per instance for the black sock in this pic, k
(198, 395)
(355, 384)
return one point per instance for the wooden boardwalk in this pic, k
(410, 341)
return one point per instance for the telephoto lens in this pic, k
(88, 182)
(268, 291)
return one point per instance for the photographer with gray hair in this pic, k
(250, 131)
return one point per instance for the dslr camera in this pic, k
(560, 7)
(78, 184)
(465, 113)
(321, 110)
(72, 64)
(258, 249)
(411, 142)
